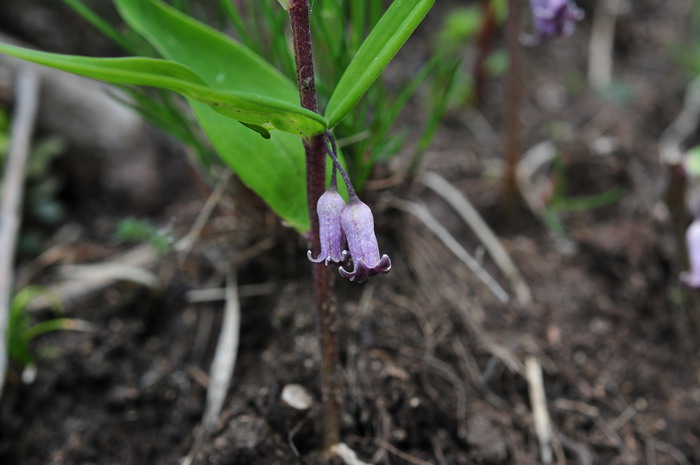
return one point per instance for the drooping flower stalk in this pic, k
(324, 302)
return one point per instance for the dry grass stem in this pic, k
(185, 244)
(672, 139)
(474, 220)
(27, 91)
(600, 51)
(222, 366)
(451, 243)
(224, 361)
(81, 281)
(540, 414)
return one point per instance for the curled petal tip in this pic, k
(362, 272)
(312, 259)
(384, 265)
(359, 274)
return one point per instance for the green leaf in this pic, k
(692, 161)
(245, 107)
(103, 26)
(387, 37)
(275, 168)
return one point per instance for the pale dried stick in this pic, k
(685, 124)
(451, 243)
(185, 244)
(224, 362)
(27, 91)
(471, 216)
(600, 51)
(222, 366)
(347, 455)
(78, 281)
(543, 425)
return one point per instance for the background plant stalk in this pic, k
(484, 45)
(515, 90)
(324, 302)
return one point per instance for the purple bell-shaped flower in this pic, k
(692, 237)
(329, 208)
(358, 224)
(553, 18)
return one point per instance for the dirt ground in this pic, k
(434, 365)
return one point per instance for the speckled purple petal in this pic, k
(553, 18)
(329, 208)
(358, 224)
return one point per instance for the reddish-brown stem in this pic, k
(324, 303)
(484, 43)
(510, 187)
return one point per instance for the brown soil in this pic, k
(433, 364)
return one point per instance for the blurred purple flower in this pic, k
(553, 18)
(329, 207)
(358, 224)
(692, 237)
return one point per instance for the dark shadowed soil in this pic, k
(433, 363)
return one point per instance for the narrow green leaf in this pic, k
(103, 26)
(231, 11)
(274, 169)
(248, 108)
(387, 37)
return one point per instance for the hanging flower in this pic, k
(553, 18)
(358, 225)
(692, 237)
(329, 207)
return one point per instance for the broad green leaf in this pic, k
(387, 37)
(219, 60)
(247, 108)
(275, 168)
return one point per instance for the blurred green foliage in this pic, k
(141, 230)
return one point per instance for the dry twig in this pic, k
(471, 216)
(79, 281)
(451, 243)
(685, 124)
(12, 194)
(222, 365)
(224, 361)
(543, 425)
(600, 51)
(347, 455)
(185, 244)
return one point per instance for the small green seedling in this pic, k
(22, 331)
(560, 203)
